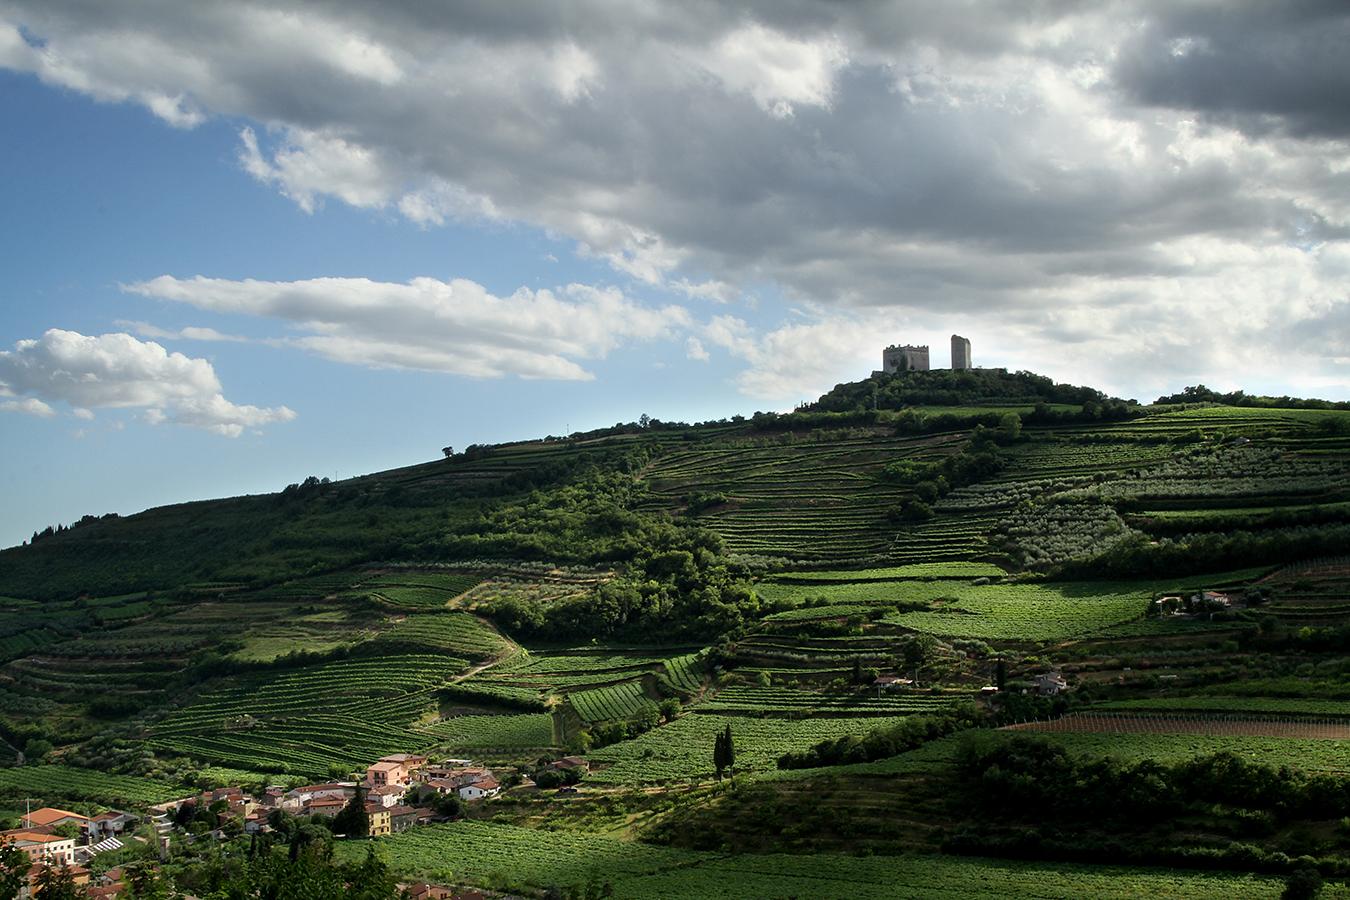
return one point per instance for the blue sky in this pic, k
(247, 243)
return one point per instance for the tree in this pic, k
(353, 820)
(720, 754)
(1000, 674)
(13, 870)
(724, 752)
(54, 883)
(144, 881)
(370, 879)
(1304, 883)
(917, 652)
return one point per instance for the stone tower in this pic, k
(960, 352)
(904, 358)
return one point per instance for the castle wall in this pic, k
(904, 359)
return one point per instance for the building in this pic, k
(401, 818)
(108, 824)
(381, 822)
(298, 797)
(383, 773)
(387, 795)
(47, 817)
(1050, 684)
(41, 845)
(906, 358)
(327, 807)
(480, 788)
(960, 352)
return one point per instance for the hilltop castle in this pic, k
(909, 358)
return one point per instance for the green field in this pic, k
(508, 857)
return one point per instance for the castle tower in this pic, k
(906, 358)
(960, 352)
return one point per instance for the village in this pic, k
(398, 792)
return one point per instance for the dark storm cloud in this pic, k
(1259, 65)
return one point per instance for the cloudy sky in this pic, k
(244, 243)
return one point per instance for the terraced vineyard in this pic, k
(620, 701)
(805, 499)
(682, 750)
(278, 722)
(455, 632)
(485, 853)
(70, 783)
(785, 701)
(495, 732)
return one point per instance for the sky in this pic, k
(245, 243)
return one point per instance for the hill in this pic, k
(1158, 582)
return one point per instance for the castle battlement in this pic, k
(915, 358)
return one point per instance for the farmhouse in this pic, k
(888, 682)
(1050, 683)
(480, 788)
(108, 824)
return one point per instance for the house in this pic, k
(989, 689)
(328, 806)
(108, 824)
(388, 794)
(296, 798)
(41, 845)
(480, 788)
(381, 823)
(1049, 684)
(382, 773)
(401, 818)
(443, 786)
(411, 761)
(887, 682)
(48, 817)
(271, 797)
(420, 890)
(256, 822)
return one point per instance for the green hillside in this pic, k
(630, 594)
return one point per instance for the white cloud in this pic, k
(442, 326)
(187, 333)
(694, 349)
(29, 405)
(117, 371)
(779, 71)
